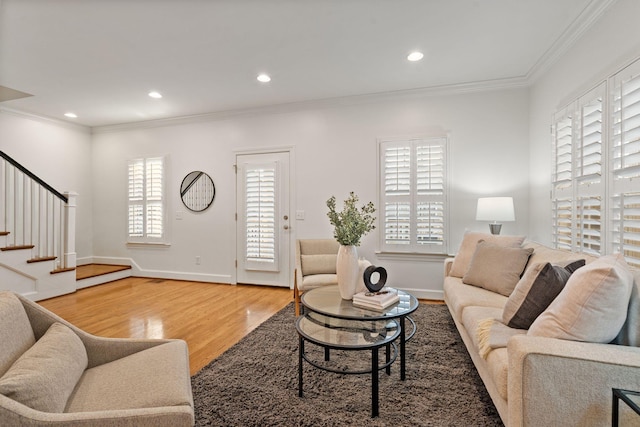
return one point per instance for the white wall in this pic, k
(335, 152)
(608, 45)
(59, 154)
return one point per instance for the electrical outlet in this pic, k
(198, 260)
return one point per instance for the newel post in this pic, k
(70, 229)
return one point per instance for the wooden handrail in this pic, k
(34, 177)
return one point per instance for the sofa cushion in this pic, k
(318, 264)
(497, 360)
(16, 334)
(150, 378)
(540, 284)
(496, 268)
(473, 316)
(468, 247)
(318, 246)
(457, 295)
(317, 280)
(592, 306)
(542, 253)
(44, 377)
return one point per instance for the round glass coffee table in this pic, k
(333, 323)
(326, 300)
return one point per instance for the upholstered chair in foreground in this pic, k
(315, 266)
(52, 373)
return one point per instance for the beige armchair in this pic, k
(315, 266)
(52, 373)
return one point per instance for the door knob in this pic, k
(286, 227)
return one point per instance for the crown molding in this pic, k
(45, 119)
(589, 15)
(463, 88)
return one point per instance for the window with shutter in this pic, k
(413, 195)
(596, 178)
(625, 163)
(260, 216)
(146, 211)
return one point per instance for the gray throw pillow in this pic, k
(496, 268)
(538, 287)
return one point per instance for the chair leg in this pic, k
(296, 297)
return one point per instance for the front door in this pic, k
(263, 231)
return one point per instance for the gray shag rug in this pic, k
(255, 382)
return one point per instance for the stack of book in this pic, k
(376, 300)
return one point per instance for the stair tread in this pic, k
(17, 247)
(92, 270)
(41, 259)
(62, 270)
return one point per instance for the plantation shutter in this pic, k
(260, 216)
(588, 173)
(562, 184)
(136, 198)
(430, 193)
(146, 200)
(625, 161)
(413, 195)
(155, 178)
(397, 195)
(577, 183)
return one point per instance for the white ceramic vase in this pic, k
(347, 271)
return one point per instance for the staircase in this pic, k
(37, 234)
(97, 274)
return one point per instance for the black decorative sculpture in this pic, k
(374, 287)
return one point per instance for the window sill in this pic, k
(148, 245)
(411, 256)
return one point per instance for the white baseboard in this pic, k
(137, 271)
(425, 294)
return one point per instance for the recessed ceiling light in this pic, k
(415, 56)
(155, 95)
(264, 78)
(71, 115)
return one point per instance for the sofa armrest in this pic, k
(13, 413)
(448, 263)
(100, 350)
(558, 382)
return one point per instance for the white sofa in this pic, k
(541, 381)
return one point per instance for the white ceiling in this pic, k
(100, 58)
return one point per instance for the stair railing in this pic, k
(36, 216)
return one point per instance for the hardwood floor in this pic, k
(209, 317)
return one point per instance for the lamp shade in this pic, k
(495, 209)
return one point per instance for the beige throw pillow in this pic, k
(44, 377)
(318, 264)
(496, 268)
(592, 307)
(538, 287)
(468, 246)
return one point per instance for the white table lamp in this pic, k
(495, 209)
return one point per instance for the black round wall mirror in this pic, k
(197, 191)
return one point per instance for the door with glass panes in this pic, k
(263, 222)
